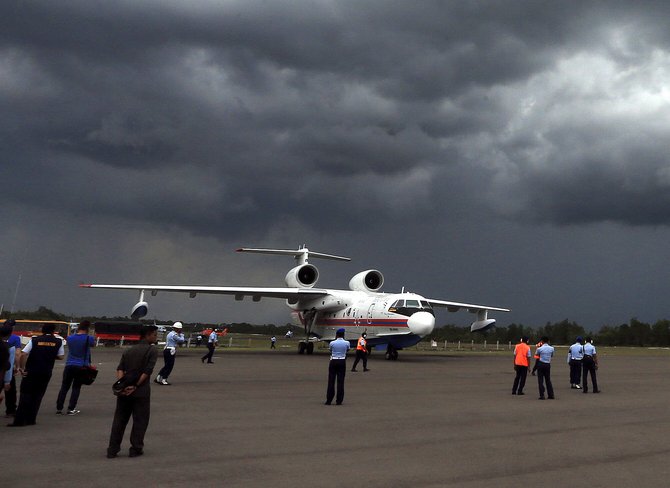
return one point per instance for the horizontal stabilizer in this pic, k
(301, 255)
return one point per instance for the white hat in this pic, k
(177, 325)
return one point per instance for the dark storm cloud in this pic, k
(258, 121)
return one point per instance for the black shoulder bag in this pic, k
(87, 373)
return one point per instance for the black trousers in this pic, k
(520, 378)
(169, 364)
(10, 398)
(33, 387)
(140, 410)
(70, 379)
(544, 377)
(575, 371)
(210, 353)
(589, 366)
(337, 369)
(361, 355)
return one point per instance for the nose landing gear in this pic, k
(391, 353)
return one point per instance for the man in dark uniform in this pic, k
(135, 400)
(36, 365)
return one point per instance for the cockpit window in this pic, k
(409, 307)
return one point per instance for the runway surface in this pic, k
(257, 419)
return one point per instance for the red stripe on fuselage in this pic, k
(362, 322)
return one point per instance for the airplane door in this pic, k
(371, 311)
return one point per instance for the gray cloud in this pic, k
(451, 130)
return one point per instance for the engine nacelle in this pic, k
(482, 325)
(304, 276)
(139, 310)
(369, 280)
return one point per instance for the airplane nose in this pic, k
(421, 323)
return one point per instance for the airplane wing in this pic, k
(482, 323)
(238, 291)
(456, 306)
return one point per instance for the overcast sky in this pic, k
(510, 153)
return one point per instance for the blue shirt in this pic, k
(577, 351)
(339, 348)
(173, 339)
(589, 349)
(212, 337)
(14, 341)
(10, 372)
(545, 353)
(76, 347)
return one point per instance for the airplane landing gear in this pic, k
(391, 353)
(305, 347)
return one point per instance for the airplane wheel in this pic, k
(310, 347)
(301, 348)
(391, 353)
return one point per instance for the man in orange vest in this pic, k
(521, 364)
(361, 353)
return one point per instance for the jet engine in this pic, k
(370, 280)
(304, 276)
(483, 322)
(140, 309)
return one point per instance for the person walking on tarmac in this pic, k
(174, 338)
(537, 357)
(211, 344)
(36, 366)
(361, 353)
(546, 352)
(337, 367)
(521, 365)
(575, 356)
(590, 365)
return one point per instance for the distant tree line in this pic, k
(634, 333)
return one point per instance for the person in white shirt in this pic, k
(172, 341)
(211, 344)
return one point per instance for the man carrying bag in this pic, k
(134, 398)
(75, 374)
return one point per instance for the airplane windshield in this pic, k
(408, 307)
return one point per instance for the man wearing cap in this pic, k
(361, 353)
(575, 356)
(590, 365)
(337, 367)
(212, 341)
(545, 353)
(172, 341)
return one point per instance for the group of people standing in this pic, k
(582, 358)
(34, 363)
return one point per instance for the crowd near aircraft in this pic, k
(396, 320)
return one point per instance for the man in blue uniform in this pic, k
(10, 392)
(135, 400)
(172, 341)
(337, 367)
(78, 355)
(575, 356)
(545, 353)
(590, 365)
(36, 365)
(212, 341)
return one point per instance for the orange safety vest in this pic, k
(521, 351)
(361, 345)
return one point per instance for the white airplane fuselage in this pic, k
(374, 313)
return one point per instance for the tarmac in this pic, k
(257, 419)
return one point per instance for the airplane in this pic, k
(397, 320)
